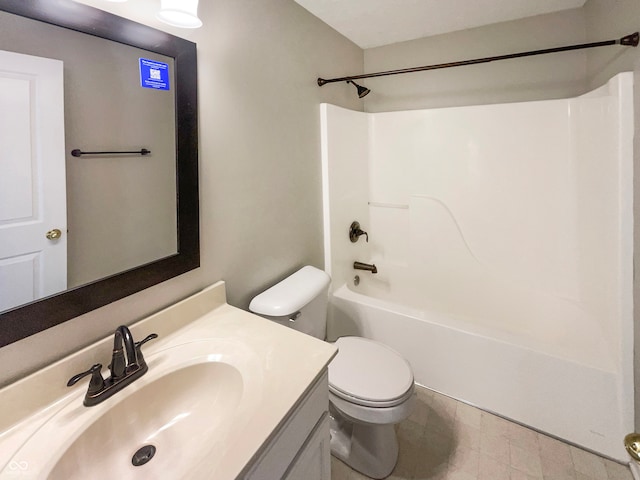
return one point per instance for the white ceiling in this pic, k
(371, 23)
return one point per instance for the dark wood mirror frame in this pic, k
(34, 317)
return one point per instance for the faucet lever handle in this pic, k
(96, 383)
(139, 344)
(355, 231)
(146, 339)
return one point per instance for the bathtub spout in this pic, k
(365, 266)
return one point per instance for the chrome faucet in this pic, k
(365, 266)
(124, 370)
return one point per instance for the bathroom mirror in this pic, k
(152, 194)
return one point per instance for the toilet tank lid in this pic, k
(292, 293)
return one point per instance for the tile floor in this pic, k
(448, 440)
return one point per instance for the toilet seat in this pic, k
(368, 373)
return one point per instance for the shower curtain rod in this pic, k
(628, 40)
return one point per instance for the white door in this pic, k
(32, 179)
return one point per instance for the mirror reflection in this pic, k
(67, 221)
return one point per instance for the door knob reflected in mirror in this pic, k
(355, 232)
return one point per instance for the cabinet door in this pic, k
(281, 452)
(313, 461)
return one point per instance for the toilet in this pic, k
(370, 385)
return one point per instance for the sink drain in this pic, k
(143, 455)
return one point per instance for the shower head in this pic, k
(362, 91)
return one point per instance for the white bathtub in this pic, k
(518, 376)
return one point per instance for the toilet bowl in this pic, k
(370, 390)
(370, 385)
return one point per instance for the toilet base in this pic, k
(369, 449)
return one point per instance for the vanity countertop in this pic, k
(277, 366)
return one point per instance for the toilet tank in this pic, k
(299, 302)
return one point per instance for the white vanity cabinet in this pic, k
(299, 448)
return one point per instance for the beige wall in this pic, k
(260, 172)
(544, 77)
(605, 20)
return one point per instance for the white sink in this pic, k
(220, 382)
(186, 407)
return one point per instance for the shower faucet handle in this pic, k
(355, 232)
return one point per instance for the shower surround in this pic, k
(502, 235)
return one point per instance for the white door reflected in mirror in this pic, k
(33, 262)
